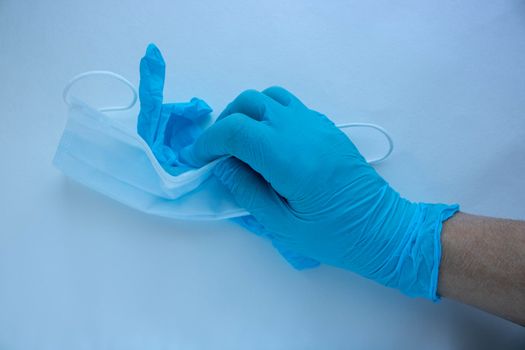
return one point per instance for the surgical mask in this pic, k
(105, 153)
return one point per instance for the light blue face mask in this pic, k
(107, 154)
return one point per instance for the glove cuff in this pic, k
(415, 261)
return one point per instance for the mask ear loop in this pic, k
(378, 128)
(67, 88)
(75, 79)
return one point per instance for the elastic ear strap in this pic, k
(378, 128)
(67, 88)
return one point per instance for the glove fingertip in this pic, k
(153, 51)
(186, 156)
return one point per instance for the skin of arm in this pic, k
(483, 264)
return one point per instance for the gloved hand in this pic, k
(307, 185)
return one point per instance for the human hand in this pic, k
(307, 185)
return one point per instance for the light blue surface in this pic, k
(78, 270)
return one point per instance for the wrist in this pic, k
(402, 249)
(413, 266)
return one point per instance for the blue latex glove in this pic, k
(309, 188)
(166, 128)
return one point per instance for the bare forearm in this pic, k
(483, 264)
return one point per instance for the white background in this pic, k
(80, 271)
